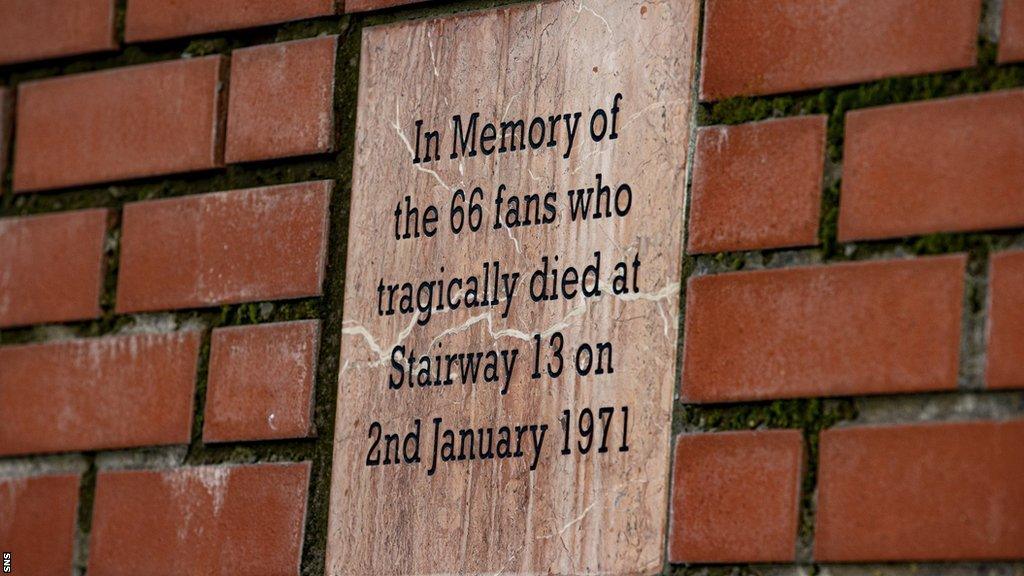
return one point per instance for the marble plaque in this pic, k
(511, 295)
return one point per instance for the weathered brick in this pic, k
(756, 47)
(226, 247)
(757, 185)
(1006, 321)
(947, 165)
(132, 122)
(281, 100)
(261, 382)
(159, 19)
(34, 30)
(37, 523)
(845, 329)
(215, 520)
(736, 497)
(1011, 36)
(52, 267)
(352, 6)
(114, 392)
(948, 491)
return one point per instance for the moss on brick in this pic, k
(86, 497)
(207, 47)
(706, 570)
(312, 28)
(828, 227)
(805, 414)
(835, 102)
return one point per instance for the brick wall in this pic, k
(173, 225)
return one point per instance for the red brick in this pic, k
(950, 491)
(736, 497)
(215, 520)
(261, 382)
(1011, 37)
(281, 100)
(159, 19)
(757, 185)
(115, 392)
(754, 47)
(1006, 321)
(34, 30)
(37, 523)
(133, 122)
(845, 329)
(52, 267)
(352, 6)
(222, 248)
(948, 165)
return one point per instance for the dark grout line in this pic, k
(331, 309)
(83, 520)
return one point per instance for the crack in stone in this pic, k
(583, 6)
(351, 328)
(412, 152)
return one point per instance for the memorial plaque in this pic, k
(511, 302)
